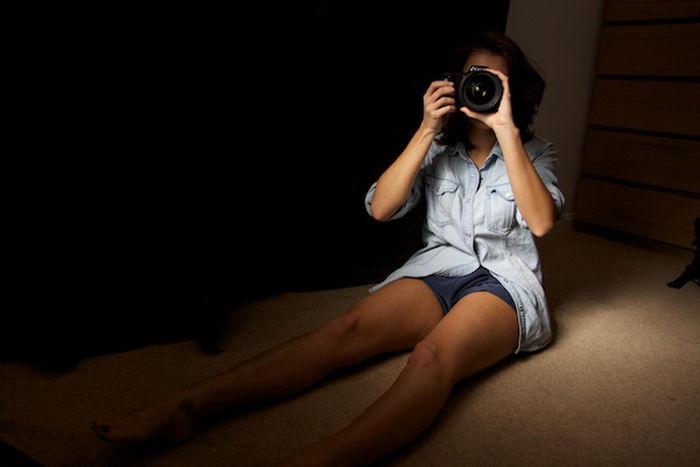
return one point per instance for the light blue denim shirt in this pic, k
(472, 219)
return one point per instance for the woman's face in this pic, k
(491, 60)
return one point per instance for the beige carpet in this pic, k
(620, 385)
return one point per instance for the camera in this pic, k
(477, 89)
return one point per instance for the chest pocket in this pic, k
(440, 197)
(500, 208)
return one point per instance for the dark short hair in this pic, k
(526, 87)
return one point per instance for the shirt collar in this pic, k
(460, 150)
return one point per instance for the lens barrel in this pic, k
(478, 89)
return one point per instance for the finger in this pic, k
(445, 90)
(437, 107)
(447, 109)
(498, 73)
(441, 93)
(502, 76)
(435, 85)
(444, 101)
(469, 113)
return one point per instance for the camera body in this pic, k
(477, 89)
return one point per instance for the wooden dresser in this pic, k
(641, 163)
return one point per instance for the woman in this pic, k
(471, 297)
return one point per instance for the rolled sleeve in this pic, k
(411, 202)
(544, 165)
(415, 194)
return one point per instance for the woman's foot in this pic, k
(168, 419)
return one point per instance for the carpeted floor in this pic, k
(620, 385)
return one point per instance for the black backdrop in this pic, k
(197, 159)
(348, 91)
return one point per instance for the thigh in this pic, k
(479, 330)
(395, 317)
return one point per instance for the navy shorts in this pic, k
(449, 290)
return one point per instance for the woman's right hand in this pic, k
(394, 186)
(437, 103)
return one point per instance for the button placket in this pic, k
(469, 220)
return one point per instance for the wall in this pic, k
(561, 38)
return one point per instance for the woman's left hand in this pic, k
(503, 117)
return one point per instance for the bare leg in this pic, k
(479, 331)
(393, 318)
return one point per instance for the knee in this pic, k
(341, 327)
(426, 354)
(429, 357)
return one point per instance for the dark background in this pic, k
(193, 160)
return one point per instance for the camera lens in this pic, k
(480, 90)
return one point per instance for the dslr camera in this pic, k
(477, 89)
